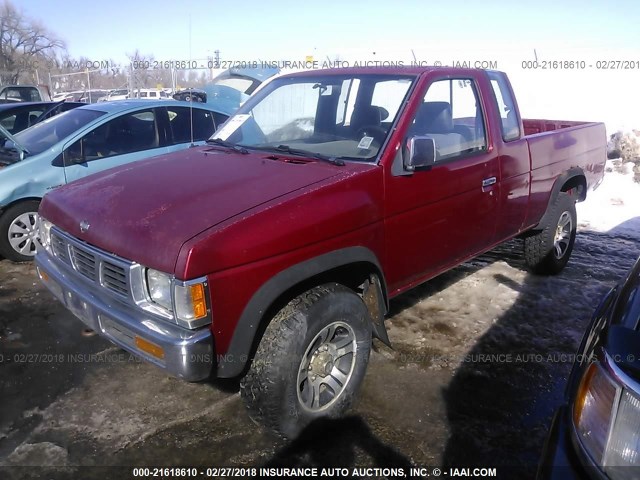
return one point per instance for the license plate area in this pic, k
(79, 307)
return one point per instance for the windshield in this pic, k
(339, 116)
(40, 137)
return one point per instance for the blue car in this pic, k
(81, 142)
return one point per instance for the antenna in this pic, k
(190, 96)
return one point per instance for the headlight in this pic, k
(624, 445)
(189, 304)
(44, 233)
(592, 410)
(159, 288)
(606, 415)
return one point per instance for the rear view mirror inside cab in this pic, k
(421, 154)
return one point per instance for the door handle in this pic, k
(487, 182)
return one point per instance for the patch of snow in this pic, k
(614, 207)
(39, 454)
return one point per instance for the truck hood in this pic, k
(147, 210)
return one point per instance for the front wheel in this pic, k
(547, 251)
(310, 361)
(19, 231)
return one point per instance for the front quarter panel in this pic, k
(333, 216)
(31, 178)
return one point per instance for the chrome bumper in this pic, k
(187, 354)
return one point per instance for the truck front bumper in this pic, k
(187, 354)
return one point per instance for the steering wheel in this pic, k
(378, 133)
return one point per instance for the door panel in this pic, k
(451, 217)
(514, 188)
(438, 217)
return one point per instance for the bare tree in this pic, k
(24, 42)
(140, 69)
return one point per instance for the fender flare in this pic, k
(233, 362)
(573, 172)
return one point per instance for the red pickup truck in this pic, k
(272, 252)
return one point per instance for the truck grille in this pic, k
(83, 262)
(99, 267)
(60, 249)
(114, 278)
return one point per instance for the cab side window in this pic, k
(21, 94)
(510, 123)
(129, 133)
(451, 114)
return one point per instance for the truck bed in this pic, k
(557, 146)
(533, 126)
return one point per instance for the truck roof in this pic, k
(384, 70)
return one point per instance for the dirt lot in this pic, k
(480, 360)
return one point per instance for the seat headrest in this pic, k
(366, 115)
(434, 117)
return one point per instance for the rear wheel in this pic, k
(19, 231)
(310, 361)
(547, 251)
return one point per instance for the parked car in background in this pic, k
(191, 95)
(596, 433)
(73, 96)
(92, 96)
(117, 94)
(272, 252)
(24, 93)
(60, 96)
(229, 89)
(234, 86)
(150, 94)
(84, 96)
(83, 141)
(15, 117)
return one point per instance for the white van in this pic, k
(150, 94)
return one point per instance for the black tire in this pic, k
(276, 389)
(29, 208)
(546, 252)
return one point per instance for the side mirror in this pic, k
(10, 145)
(422, 153)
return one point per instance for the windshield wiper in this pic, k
(305, 153)
(232, 146)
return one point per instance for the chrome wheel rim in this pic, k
(23, 233)
(326, 367)
(563, 235)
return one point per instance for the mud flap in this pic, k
(374, 300)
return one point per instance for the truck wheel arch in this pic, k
(573, 180)
(281, 288)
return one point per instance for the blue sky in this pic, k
(278, 30)
(494, 30)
